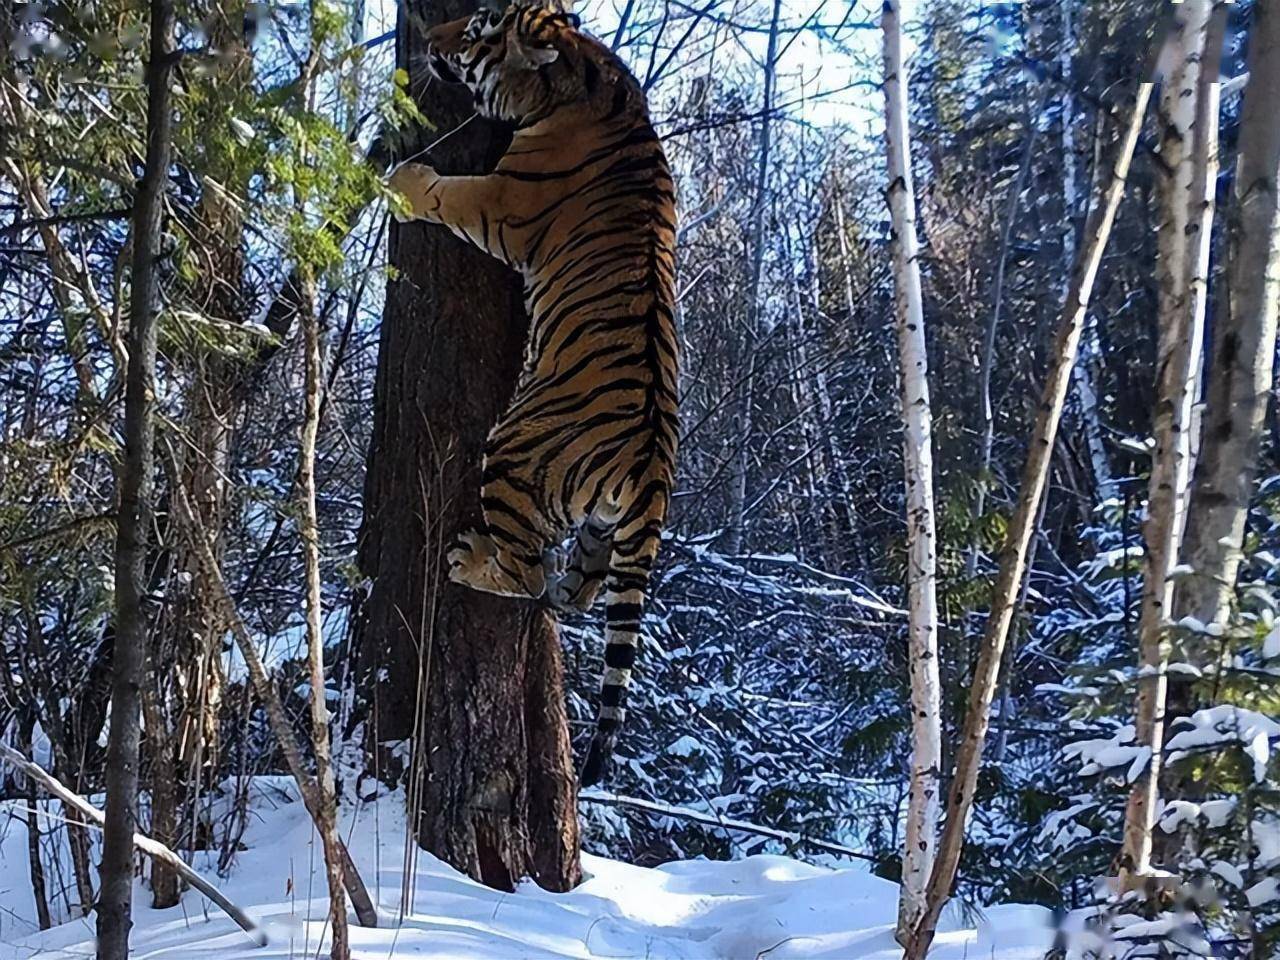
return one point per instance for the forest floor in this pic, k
(760, 907)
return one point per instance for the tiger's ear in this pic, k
(525, 56)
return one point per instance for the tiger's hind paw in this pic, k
(474, 561)
(572, 592)
(567, 590)
(555, 563)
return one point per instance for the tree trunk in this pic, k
(326, 813)
(1204, 186)
(279, 721)
(1104, 486)
(1181, 316)
(115, 899)
(1240, 372)
(739, 469)
(34, 862)
(987, 362)
(165, 785)
(81, 866)
(470, 679)
(917, 458)
(1240, 375)
(1021, 528)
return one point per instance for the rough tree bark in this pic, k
(326, 813)
(917, 457)
(1021, 528)
(115, 898)
(1182, 227)
(474, 681)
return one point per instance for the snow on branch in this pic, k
(152, 848)
(850, 591)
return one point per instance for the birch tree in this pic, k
(917, 458)
(1239, 373)
(1244, 339)
(1182, 241)
(1013, 556)
(115, 898)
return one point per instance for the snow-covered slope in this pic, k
(764, 906)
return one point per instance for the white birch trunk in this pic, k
(1204, 194)
(1181, 315)
(1244, 344)
(922, 628)
(1013, 557)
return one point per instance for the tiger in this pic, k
(582, 204)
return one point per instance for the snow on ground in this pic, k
(761, 907)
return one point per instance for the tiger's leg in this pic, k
(635, 547)
(576, 585)
(505, 557)
(472, 207)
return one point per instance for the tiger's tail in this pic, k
(635, 546)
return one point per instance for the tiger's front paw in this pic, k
(414, 182)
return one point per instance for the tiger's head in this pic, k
(524, 63)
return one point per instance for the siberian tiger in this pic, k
(583, 205)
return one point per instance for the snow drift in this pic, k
(761, 907)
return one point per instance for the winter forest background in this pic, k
(773, 688)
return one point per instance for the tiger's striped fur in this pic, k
(583, 205)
